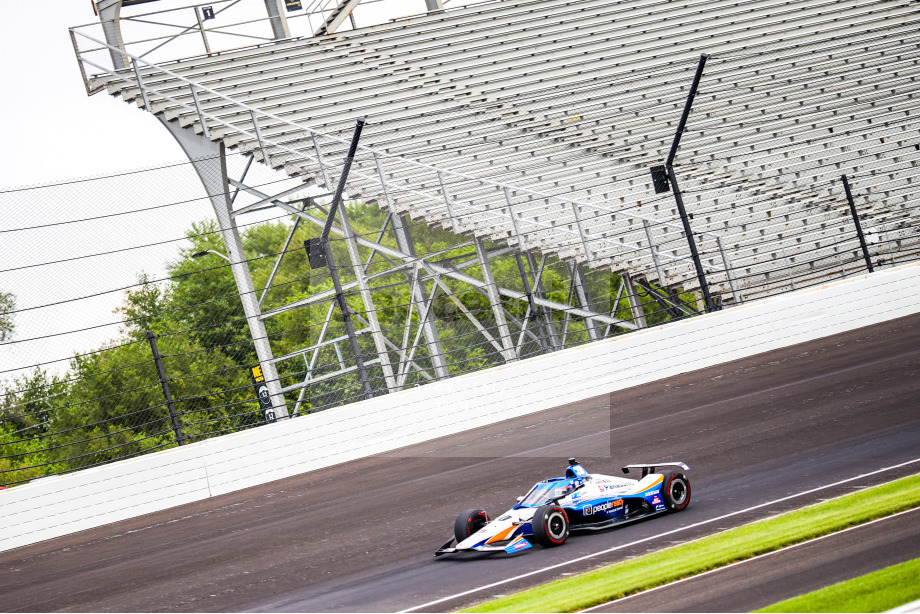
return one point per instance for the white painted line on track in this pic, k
(753, 558)
(659, 535)
(907, 608)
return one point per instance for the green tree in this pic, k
(7, 306)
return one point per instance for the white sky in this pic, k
(54, 132)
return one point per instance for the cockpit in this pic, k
(548, 491)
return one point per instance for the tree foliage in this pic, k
(7, 306)
(110, 403)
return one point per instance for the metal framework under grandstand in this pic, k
(653, 250)
(392, 253)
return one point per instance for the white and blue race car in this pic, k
(580, 501)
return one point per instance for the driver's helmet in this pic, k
(568, 489)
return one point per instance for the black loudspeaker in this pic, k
(660, 179)
(315, 253)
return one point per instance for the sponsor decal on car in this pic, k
(590, 510)
(518, 545)
(659, 507)
(656, 500)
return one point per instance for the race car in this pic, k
(580, 501)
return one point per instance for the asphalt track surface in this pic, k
(359, 536)
(765, 580)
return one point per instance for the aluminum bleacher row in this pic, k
(534, 123)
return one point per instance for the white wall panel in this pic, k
(60, 505)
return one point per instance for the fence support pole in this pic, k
(678, 199)
(859, 232)
(180, 438)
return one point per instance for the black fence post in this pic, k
(678, 199)
(180, 438)
(859, 232)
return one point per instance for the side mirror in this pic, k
(519, 499)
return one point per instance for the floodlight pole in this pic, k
(367, 391)
(859, 231)
(672, 177)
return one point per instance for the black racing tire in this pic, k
(550, 526)
(675, 491)
(468, 522)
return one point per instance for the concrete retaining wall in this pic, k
(60, 505)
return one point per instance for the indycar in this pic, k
(580, 501)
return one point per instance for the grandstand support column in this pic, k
(434, 5)
(109, 16)
(277, 19)
(495, 300)
(533, 315)
(333, 268)
(429, 330)
(210, 163)
(635, 304)
(367, 298)
(540, 292)
(580, 284)
(672, 177)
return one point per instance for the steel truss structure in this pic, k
(412, 350)
(527, 230)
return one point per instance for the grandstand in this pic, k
(532, 126)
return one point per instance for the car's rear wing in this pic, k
(648, 468)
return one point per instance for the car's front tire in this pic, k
(550, 526)
(675, 491)
(468, 522)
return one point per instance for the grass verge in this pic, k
(642, 573)
(878, 591)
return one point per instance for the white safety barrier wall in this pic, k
(57, 506)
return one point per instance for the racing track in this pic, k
(359, 536)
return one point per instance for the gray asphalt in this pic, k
(763, 581)
(359, 536)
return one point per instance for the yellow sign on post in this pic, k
(265, 400)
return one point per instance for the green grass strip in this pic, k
(878, 591)
(642, 573)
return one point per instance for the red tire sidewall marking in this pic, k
(678, 507)
(549, 534)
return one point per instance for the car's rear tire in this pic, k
(550, 526)
(468, 522)
(675, 491)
